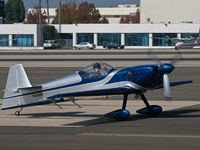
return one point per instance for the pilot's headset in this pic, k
(96, 65)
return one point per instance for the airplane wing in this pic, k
(177, 83)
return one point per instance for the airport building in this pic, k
(130, 35)
(18, 35)
(169, 11)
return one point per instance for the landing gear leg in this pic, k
(120, 114)
(152, 110)
(145, 100)
(17, 113)
(124, 101)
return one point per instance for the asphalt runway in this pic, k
(175, 129)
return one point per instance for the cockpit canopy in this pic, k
(95, 70)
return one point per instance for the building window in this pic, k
(136, 39)
(65, 39)
(85, 37)
(4, 40)
(108, 37)
(161, 39)
(189, 35)
(23, 40)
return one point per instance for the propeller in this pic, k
(165, 69)
(166, 86)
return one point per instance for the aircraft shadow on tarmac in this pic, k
(185, 112)
(61, 114)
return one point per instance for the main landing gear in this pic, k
(122, 114)
(152, 110)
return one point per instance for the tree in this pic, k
(68, 14)
(125, 19)
(71, 14)
(33, 16)
(103, 20)
(2, 12)
(136, 18)
(15, 11)
(49, 32)
(87, 13)
(131, 19)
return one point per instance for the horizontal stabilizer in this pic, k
(176, 83)
(180, 82)
(33, 88)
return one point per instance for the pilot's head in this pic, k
(96, 67)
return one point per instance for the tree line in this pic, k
(71, 13)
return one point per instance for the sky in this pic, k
(98, 3)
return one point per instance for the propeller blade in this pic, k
(154, 57)
(166, 86)
(177, 57)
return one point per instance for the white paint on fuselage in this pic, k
(88, 87)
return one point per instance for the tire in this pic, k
(121, 47)
(87, 48)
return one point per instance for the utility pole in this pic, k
(40, 23)
(47, 3)
(59, 17)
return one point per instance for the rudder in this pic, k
(17, 78)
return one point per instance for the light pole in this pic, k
(40, 23)
(47, 3)
(59, 21)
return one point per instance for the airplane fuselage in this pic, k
(127, 80)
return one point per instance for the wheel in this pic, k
(17, 113)
(87, 47)
(121, 47)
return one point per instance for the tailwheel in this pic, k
(120, 114)
(17, 113)
(152, 110)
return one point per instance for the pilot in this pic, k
(97, 68)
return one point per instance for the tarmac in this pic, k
(48, 127)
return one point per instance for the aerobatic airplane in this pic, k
(95, 79)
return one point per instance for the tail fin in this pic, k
(17, 78)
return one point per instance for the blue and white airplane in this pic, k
(95, 79)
